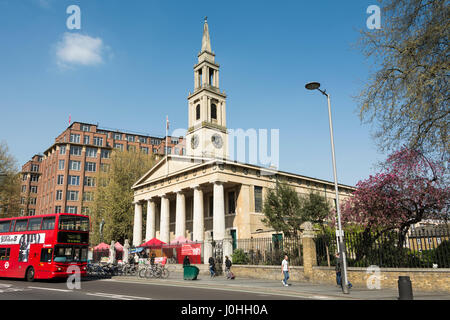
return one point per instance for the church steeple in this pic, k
(207, 132)
(206, 42)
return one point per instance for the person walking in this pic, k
(338, 270)
(285, 270)
(228, 268)
(186, 261)
(212, 266)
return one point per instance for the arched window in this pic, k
(213, 111)
(197, 112)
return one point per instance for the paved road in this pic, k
(112, 289)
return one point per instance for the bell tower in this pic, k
(207, 132)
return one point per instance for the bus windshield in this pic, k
(73, 223)
(70, 253)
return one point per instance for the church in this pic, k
(204, 194)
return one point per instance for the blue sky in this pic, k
(138, 68)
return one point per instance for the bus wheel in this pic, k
(30, 274)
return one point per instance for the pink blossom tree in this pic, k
(409, 189)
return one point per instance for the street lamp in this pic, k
(340, 236)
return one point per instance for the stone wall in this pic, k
(422, 279)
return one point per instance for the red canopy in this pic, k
(152, 243)
(102, 246)
(118, 246)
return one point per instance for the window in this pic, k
(98, 141)
(59, 194)
(89, 181)
(34, 224)
(71, 209)
(169, 150)
(60, 179)
(22, 200)
(231, 202)
(142, 140)
(58, 209)
(197, 112)
(31, 212)
(86, 139)
(24, 177)
(85, 210)
(72, 196)
(62, 149)
(85, 127)
(74, 180)
(32, 201)
(46, 254)
(258, 199)
(34, 178)
(88, 196)
(155, 150)
(144, 150)
(35, 168)
(4, 254)
(24, 189)
(130, 138)
(104, 167)
(118, 146)
(90, 167)
(61, 165)
(177, 151)
(33, 189)
(75, 138)
(21, 225)
(91, 152)
(117, 136)
(131, 148)
(48, 223)
(4, 226)
(75, 150)
(213, 111)
(155, 141)
(74, 165)
(174, 140)
(105, 154)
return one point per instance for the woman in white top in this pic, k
(285, 270)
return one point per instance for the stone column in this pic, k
(227, 246)
(207, 248)
(137, 226)
(165, 222)
(198, 223)
(218, 211)
(180, 218)
(309, 249)
(151, 220)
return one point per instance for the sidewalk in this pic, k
(298, 289)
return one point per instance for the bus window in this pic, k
(84, 254)
(46, 255)
(63, 254)
(4, 226)
(76, 254)
(48, 223)
(21, 225)
(4, 254)
(84, 224)
(73, 223)
(34, 224)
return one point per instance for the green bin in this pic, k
(190, 272)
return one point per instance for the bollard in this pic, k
(404, 288)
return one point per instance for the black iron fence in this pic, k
(268, 251)
(420, 248)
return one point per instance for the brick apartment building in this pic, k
(63, 178)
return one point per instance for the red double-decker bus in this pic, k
(44, 246)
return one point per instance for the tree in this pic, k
(410, 188)
(408, 94)
(114, 197)
(285, 210)
(9, 183)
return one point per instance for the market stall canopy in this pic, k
(180, 240)
(102, 246)
(152, 243)
(118, 246)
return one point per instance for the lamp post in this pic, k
(340, 236)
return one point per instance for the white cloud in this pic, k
(77, 49)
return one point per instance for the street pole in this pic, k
(340, 236)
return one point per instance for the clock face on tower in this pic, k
(217, 141)
(194, 141)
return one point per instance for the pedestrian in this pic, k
(339, 271)
(212, 266)
(228, 268)
(285, 270)
(186, 261)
